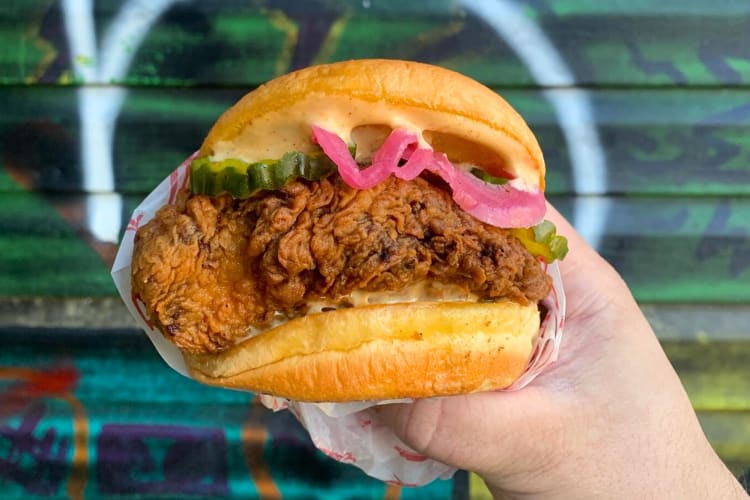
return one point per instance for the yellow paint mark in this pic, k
(80, 462)
(702, 337)
(280, 21)
(49, 52)
(66, 78)
(392, 492)
(477, 489)
(331, 42)
(253, 441)
(431, 37)
(461, 60)
(84, 60)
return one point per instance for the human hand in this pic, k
(610, 419)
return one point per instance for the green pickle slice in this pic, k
(543, 241)
(488, 178)
(243, 180)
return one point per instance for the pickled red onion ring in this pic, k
(503, 205)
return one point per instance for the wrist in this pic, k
(702, 475)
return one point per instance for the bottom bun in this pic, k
(380, 352)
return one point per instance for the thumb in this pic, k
(474, 432)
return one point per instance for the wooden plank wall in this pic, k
(642, 109)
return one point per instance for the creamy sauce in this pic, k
(274, 133)
(422, 291)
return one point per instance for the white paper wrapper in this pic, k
(343, 431)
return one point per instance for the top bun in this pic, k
(452, 113)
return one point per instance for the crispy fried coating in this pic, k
(210, 269)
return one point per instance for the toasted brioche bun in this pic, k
(453, 113)
(378, 352)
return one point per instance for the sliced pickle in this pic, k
(488, 178)
(212, 177)
(243, 180)
(543, 241)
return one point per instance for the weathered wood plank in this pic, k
(699, 322)
(244, 43)
(85, 314)
(41, 253)
(729, 433)
(672, 249)
(716, 374)
(676, 142)
(668, 249)
(671, 322)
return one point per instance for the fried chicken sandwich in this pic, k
(363, 230)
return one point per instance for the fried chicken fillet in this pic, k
(212, 270)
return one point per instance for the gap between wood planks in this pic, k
(701, 322)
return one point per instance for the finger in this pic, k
(412, 427)
(470, 432)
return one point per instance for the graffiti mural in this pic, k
(160, 459)
(43, 433)
(36, 464)
(641, 109)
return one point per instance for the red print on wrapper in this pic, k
(396, 481)
(409, 455)
(364, 420)
(134, 222)
(345, 456)
(272, 403)
(175, 185)
(138, 304)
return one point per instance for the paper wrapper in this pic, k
(343, 431)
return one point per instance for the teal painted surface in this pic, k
(149, 431)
